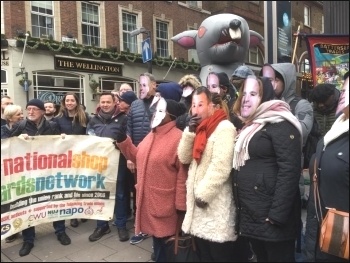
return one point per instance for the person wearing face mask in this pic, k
(332, 162)
(266, 171)
(161, 182)
(189, 83)
(220, 83)
(206, 146)
(139, 119)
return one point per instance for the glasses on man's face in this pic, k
(32, 109)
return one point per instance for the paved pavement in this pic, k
(108, 249)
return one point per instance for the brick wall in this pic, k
(68, 18)
(14, 18)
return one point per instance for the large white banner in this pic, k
(48, 178)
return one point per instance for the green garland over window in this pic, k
(78, 50)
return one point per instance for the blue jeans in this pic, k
(121, 205)
(29, 233)
(120, 208)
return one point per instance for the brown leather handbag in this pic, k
(334, 232)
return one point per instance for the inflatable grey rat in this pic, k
(222, 42)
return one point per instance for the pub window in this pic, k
(129, 24)
(3, 76)
(90, 24)
(42, 19)
(53, 85)
(306, 15)
(255, 56)
(162, 36)
(113, 83)
(4, 92)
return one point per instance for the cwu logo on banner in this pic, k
(146, 50)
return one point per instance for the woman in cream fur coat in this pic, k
(211, 212)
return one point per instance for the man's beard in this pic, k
(49, 114)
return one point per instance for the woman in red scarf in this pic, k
(207, 145)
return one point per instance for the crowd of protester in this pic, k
(232, 165)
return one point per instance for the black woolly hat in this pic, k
(174, 108)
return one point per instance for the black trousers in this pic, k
(210, 251)
(266, 251)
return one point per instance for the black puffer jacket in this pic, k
(101, 127)
(139, 119)
(28, 127)
(66, 125)
(267, 186)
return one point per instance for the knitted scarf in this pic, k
(272, 111)
(203, 132)
(339, 127)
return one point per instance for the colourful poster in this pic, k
(329, 58)
(48, 178)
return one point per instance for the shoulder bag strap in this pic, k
(317, 193)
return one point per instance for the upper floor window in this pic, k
(42, 19)
(162, 36)
(193, 3)
(322, 26)
(306, 15)
(255, 56)
(90, 24)
(129, 24)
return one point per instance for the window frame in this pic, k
(90, 25)
(259, 56)
(40, 14)
(162, 40)
(307, 15)
(125, 33)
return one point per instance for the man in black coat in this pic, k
(36, 124)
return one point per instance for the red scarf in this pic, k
(203, 132)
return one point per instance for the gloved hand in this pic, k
(180, 212)
(200, 203)
(193, 123)
(121, 133)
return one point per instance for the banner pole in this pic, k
(295, 45)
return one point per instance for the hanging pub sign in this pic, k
(92, 66)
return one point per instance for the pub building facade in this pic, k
(52, 75)
(86, 46)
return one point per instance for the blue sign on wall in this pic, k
(146, 50)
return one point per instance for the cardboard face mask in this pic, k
(156, 98)
(187, 91)
(144, 87)
(159, 114)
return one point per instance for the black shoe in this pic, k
(98, 233)
(63, 238)
(26, 248)
(84, 220)
(11, 238)
(153, 257)
(74, 222)
(123, 234)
